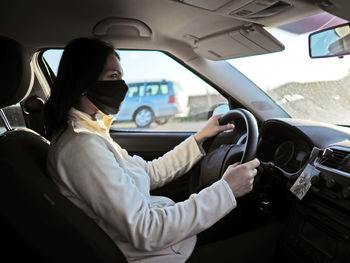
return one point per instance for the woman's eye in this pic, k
(114, 76)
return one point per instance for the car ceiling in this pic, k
(42, 23)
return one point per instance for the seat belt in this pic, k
(5, 121)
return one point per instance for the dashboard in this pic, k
(288, 153)
(318, 225)
(287, 143)
(291, 155)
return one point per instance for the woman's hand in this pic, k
(240, 177)
(212, 128)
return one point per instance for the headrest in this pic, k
(16, 75)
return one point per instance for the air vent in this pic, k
(336, 156)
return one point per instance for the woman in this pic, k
(112, 187)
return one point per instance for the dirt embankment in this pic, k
(327, 101)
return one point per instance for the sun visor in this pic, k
(245, 41)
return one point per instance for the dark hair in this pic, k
(82, 62)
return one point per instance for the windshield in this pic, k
(315, 89)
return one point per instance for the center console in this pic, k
(318, 227)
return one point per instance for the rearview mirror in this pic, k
(330, 42)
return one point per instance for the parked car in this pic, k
(290, 111)
(156, 101)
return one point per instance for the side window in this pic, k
(164, 89)
(134, 91)
(152, 89)
(187, 98)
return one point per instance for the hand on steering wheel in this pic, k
(212, 128)
(217, 160)
(251, 127)
(240, 177)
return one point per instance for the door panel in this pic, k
(149, 145)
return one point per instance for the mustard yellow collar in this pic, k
(98, 123)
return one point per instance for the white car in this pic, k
(151, 101)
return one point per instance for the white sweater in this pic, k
(113, 188)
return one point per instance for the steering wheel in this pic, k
(217, 159)
(251, 128)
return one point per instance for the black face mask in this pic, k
(107, 95)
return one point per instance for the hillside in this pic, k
(327, 101)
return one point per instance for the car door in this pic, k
(148, 145)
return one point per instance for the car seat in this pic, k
(37, 222)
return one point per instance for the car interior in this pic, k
(40, 224)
